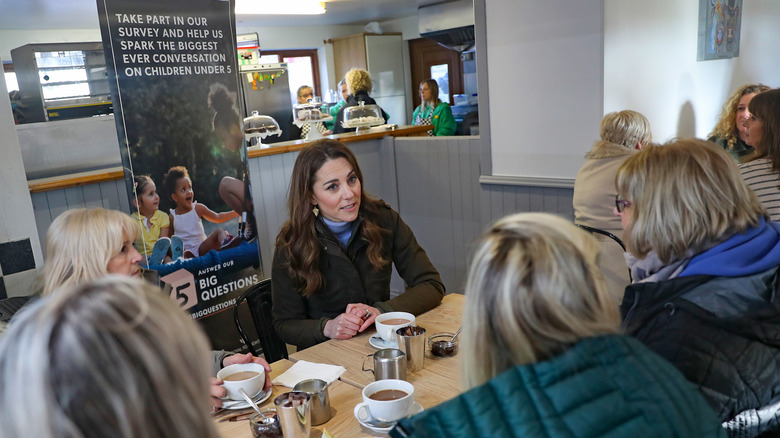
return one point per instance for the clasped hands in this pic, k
(354, 320)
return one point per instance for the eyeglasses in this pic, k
(620, 204)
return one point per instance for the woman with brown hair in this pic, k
(432, 111)
(729, 132)
(334, 256)
(762, 131)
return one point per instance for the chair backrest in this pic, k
(611, 236)
(258, 299)
(9, 306)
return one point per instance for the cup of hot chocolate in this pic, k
(388, 323)
(385, 401)
(247, 376)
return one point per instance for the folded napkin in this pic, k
(303, 370)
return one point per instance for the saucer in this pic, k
(414, 409)
(259, 398)
(378, 342)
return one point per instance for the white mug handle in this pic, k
(363, 418)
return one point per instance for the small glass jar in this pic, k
(441, 346)
(270, 427)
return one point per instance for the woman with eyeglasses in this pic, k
(704, 259)
(622, 135)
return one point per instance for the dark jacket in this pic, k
(350, 278)
(740, 149)
(723, 334)
(354, 100)
(607, 386)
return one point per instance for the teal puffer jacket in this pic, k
(608, 386)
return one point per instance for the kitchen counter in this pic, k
(115, 173)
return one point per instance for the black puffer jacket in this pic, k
(724, 335)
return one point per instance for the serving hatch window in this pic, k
(63, 74)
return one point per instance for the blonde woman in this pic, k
(705, 263)
(623, 134)
(729, 132)
(85, 244)
(105, 358)
(542, 355)
(359, 86)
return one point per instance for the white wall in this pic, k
(545, 77)
(650, 63)
(17, 221)
(13, 38)
(271, 38)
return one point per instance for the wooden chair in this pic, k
(258, 298)
(9, 306)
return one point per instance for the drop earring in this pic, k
(316, 211)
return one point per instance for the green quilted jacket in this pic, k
(607, 386)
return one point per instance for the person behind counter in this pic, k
(705, 293)
(359, 85)
(729, 132)
(334, 256)
(542, 354)
(432, 111)
(334, 110)
(305, 93)
(112, 357)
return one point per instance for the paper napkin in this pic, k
(303, 370)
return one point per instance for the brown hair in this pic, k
(727, 123)
(434, 87)
(297, 241)
(767, 108)
(139, 185)
(685, 195)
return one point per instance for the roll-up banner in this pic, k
(172, 67)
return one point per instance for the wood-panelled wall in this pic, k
(432, 182)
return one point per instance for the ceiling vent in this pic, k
(449, 23)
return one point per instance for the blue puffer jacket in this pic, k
(608, 386)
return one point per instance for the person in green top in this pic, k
(334, 110)
(433, 111)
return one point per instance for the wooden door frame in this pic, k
(301, 53)
(423, 49)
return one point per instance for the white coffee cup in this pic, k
(251, 386)
(385, 410)
(387, 331)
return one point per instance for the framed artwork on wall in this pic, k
(719, 29)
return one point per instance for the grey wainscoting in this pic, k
(48, 205)
(434, 183)
(442, 200)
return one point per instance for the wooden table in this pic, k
(437, 382)
(343, 398)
